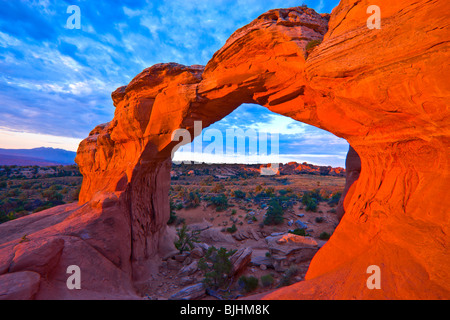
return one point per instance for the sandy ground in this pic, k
(168, 281)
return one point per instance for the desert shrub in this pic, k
(216, 267)
(299, 232)
(192, 200)
(55, 187)
(186, 239)
(218, 188)
(248, 284)
(310, 200)
(233, 212)
(267, 280)
(270, 191)
(324, 236)
(288, 276)
(52, 195)
(3, 185)
(220, 201)
(239, 194)
(319, 219)
(232, 229)
(274, 214)
(335, 199)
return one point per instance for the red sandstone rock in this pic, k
(41, 255)
(19, 286)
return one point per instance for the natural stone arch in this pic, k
(395, 133)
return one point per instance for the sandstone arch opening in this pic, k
(204, 178)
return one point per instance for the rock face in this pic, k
(384, 90)
(288, 249)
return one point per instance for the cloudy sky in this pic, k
(56, 82)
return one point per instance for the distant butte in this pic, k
(385, 91)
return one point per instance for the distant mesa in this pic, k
(36, 157)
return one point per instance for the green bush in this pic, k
(310, 200)
(232, 229)
(319, 219)
(267, 280)
(299, 232)
(274, 215)
(192, 200)
(220, 201)
(288, 276)
(248, 284)
(52, 195)
(239, 194)
(186, 239)
(324, 236)
(216, 267)
(335, 199)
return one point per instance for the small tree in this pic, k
(216, 267)
(186, 239)
(274, 214)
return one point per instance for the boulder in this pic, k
(240, 259)
(19, 285)
(288, 249)
(193, 292)
(40, 255)
(189, 269)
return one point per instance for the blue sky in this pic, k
(56, 83)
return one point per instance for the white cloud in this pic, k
(12, 139)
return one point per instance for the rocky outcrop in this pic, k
(385, 91)
(289, 249)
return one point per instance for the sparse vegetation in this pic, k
(186, 238)
(288, 276)
(232, 229)
(274, 214)
(216, 267)
(27, 190)
(248, 283)
(324, 236)
(267, 280)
